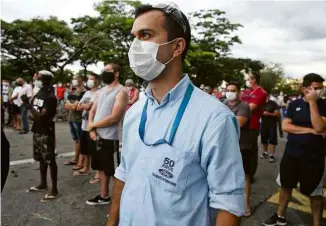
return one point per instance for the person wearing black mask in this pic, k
(43, 109)
(103, 126)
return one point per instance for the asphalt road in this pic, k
(19, 208)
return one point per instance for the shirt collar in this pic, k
(173, 95)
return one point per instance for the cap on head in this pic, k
(45, 76)
(129, 82)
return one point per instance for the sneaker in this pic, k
(264, 155)
(275, 221)
(98, 200)
(271, 158)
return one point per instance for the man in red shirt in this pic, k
(256, 97)
(60, 93)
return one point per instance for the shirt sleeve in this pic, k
(121, 172)
(84, 97)
(259, 99)
(290, 111)
(244, 110)
(50, 104)
(322, 108)
(221, 159)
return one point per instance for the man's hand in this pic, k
(110, 223)
(266, 113)
(90, 126)
(311, 94)
(321, 134)
(92, 135)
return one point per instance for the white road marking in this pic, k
(31, 161)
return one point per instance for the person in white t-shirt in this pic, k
(16, 106)
(87, 145)
(25, 96)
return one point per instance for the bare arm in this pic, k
(288, 127)
(120, 104)
(115, 205)
(135, 98)
(253, 107)
(318, 122)
(14, 97)
(242, 120)
(92, 113)
(70, 106)
(84, 106)
(227, 219)
(274, 114)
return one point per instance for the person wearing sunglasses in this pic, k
(180, 158)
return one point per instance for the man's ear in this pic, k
(179, 47)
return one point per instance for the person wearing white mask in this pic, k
(243, 113)
(179, 163)
(256, 97)
(87, 145)
(75, 118)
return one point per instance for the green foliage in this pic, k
(29, 46)
(271, 75)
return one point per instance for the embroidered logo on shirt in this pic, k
(167, 166)
(166, 171)
(298, 109)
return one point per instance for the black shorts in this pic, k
(16, 110)
(268, 134)
(306, 170)
(43, 147)
(87, 145)
(246, 155)
(103, 156)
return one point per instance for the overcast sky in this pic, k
(292, 33)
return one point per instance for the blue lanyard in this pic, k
(176, 122)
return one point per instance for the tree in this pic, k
(213, 32)
(271, 75)
(37, 44)
(42, 44)
(211, 41)
(116, 20)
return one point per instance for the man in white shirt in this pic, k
(16, 106)
(25, 95)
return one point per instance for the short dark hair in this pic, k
(116, 67)
(95, 76)
(174, 29)
(236, 84)
(256, 76)
(310, 78)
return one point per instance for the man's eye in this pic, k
(145, 36)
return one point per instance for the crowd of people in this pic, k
(186, 158)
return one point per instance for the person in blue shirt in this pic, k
(303, 160)
(181, 162)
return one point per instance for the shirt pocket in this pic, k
(170, 168)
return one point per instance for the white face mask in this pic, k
(231, 96)
(248, 84)
(90, 84)
(38, 84)
(74, 82)
(142, 58)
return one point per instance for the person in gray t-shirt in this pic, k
(243, 113)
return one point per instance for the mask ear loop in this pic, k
(168, 43)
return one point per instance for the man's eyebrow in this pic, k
(143, 30)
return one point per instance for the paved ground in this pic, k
(19, 208)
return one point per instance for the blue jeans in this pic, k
(75, 130)
(23, 112)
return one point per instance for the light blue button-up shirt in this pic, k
(184, 185)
